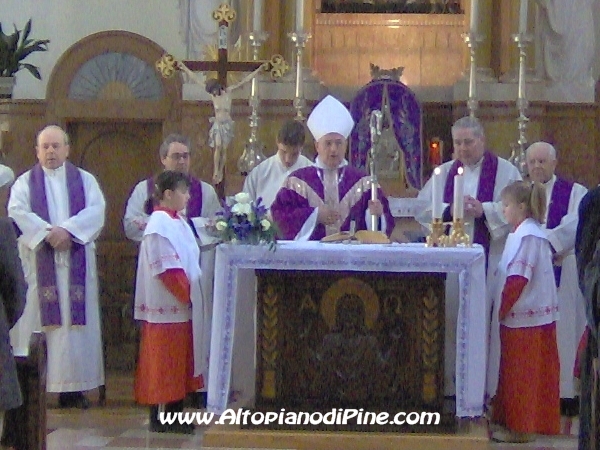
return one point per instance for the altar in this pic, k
(234, 312)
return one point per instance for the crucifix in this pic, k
(221, 132)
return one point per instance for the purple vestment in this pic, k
(559, 207)
(46, 270)
(485, 193)
(303, 191)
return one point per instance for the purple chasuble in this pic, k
(485, 193)
(46, 270)
(290, 209)
(559, 207)
(194, 206)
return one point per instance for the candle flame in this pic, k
(460, 170)
(437, 170)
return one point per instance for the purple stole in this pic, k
(194, 206)
(46, 270)
(559, 207)
(485, 193)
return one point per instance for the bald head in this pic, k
(541, 161)
(52, 147)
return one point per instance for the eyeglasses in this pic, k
(178, 156)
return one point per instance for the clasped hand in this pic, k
(473, 207)
(59, 239)
(327, 215)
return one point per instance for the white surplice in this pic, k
(135, 222)
(498, 228)
(169, 243)
(266, 178)
(527, 253)
(75, 359)
(571, 305)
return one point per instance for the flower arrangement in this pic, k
(245, 221)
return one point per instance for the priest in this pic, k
(562, 198)
(265, 179)
(175, 154)
(59, 210)
(485, 175)
(329, 196)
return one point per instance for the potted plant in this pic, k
(14, 48)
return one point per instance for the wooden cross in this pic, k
(224, 14)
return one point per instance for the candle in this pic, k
(459, 195)
(299, 15)
(257, 17)
(437, 207)
(474, 15)
(523, 17)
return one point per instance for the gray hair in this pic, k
(545, 145)
(173, 137)
(53, 127)
(472, 123)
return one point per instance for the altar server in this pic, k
(523, 369)
(175, 154)
(168, 301)
(265, 179)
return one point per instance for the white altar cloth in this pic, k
(234, 272)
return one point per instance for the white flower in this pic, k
(221, 225)
(241, 208)
(242, 197)
(265, 224)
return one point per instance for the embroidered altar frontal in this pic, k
(371, 340)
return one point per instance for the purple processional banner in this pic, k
(405, 112)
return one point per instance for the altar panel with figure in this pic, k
(331, 339)
(233, 341)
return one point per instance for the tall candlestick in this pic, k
(257, 17)
(523, 17)
(474, 16)
(437, 207)
(299, 15)
(459, 195)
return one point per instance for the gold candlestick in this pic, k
(458, 235)
(437, 236)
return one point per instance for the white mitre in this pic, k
(330, 116)
(6, 175)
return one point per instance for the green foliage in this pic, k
(15, 47)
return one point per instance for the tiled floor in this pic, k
(123, 425)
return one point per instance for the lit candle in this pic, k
(523, 17)
(299, 15)
(437, 207)
(474, 15)
(459, 195)
(257, 18)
